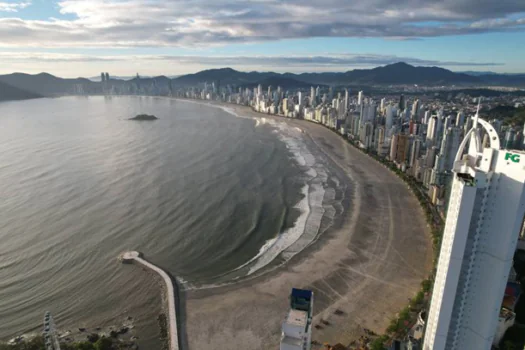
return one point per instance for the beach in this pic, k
(367, 265)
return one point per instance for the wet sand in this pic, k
(368, 264)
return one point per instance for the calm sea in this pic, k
(210, 196)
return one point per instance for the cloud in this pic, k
(13, 6)
(191, 23)
(336, 61)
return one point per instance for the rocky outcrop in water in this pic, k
(144, 117)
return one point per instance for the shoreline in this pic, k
(364, 265)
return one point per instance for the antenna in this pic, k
(475, 124)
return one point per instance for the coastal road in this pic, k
(172, 314)
(367, 265)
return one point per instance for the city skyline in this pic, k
(156, 38)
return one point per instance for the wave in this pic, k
(316, 203)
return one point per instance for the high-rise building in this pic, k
(485, 214)
(297, 326)
(450, 146)
(389, 117)
(366, 134)
(460, 119)
(360, 98)
(380, 140)
(393, 147)
(403, 144)
(401, 103)
(414, 153)
(312, 97)
(426, 117)
(431, 130)
(415, 110)
(347, 97)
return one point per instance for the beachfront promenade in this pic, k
(129, 257)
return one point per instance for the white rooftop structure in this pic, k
(297, 325)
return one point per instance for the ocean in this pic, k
(211, 196)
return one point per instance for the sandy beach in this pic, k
(368, 264)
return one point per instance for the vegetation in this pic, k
(508, 114)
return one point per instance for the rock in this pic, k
(144, 117)
(123, 330)
(113, 334)
(82, 329)
(130, 318)
(93, 337)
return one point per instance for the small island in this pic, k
(144, 117)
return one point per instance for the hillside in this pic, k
(8, 93)
(46, 84)
(393, 74)
(510, 115)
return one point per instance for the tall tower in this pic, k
(401, 103)
(360, 98)
(485, 214)
(346, 100)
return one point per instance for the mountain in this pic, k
(503, 79)
(46, 84)
(8, 93)
(402, 73)
(224, 76)
(393, 74)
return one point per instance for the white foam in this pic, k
(288, 237)
(312, 208)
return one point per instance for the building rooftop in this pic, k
(297, 318)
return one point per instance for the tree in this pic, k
(508, 345)
(85, 346)
(104, 344)
(378, 343)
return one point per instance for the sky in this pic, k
(72, 38)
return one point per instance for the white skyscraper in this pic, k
(360, 98)
(346, 100)
(485, 214)
(431, 130)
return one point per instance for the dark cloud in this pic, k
(156, 23)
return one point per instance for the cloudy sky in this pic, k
(84, 37)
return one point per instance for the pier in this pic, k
(133, 256)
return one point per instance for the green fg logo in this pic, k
(513, 157)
